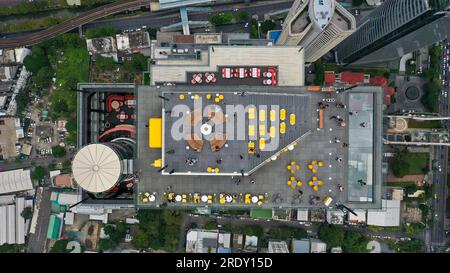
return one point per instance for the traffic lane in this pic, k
(154, 20)
(37, 241)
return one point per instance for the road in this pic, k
(37, 240)
(94, 14)
(437, 233)
(37, 161)
(154, 20)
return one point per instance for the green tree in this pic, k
(38, 173)
(414, 228)
(355, 242)
(140, 240)
(36, 60)
(412, 246)
(332, 235)
(210, 225)
(105, 244)
(286, 233)
(60, 246)
(27, 213)
(44, 77)
(243, 16)
(266, 26)
(67, 166)
(58, 151)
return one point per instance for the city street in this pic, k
(38, 239)
(437, 232)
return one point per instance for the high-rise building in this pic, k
(395, 29)
(316, 25)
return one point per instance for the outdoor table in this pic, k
(204, 198)
(269, 82)
(254, 199)
(115, 105)
(147, 194)
(178, 198)
(269, 74)
(229, 198)
(152, 198)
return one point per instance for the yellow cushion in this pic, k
(292, 119)
(262, 143)
(273, 132)
(262, 115)
(251, 113)
(262, 130)
(251, 130)
(272, 115)
(282, 128)
(283, 114)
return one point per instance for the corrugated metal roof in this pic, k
(14, 181)
(20, 221)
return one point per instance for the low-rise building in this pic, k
(251, 244)
(12, 224)
(335, 217)
(133, 41)
(15, 181)
(387, 216)
(300, 246)
(278, 247)
(317, 246)
(63, 181)
(358, 219)
(207, 241)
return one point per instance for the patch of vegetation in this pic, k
(414, 228)
(116, 235)
(254, 29)
(27, 213)
(350, 241)
(430, 98)
(138, 63)
(406, 163)
(426, 124)
(104, 63)
(32, 24)
(158, 229)
(266, 26)
(58, 151)
(60, 246)
(210, 225)
(38, 173)
(320, 72)
(5, 248)
(242, 16)
(101, 32)
(412, 246)
(221, 19)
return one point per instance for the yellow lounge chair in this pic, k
(283, 114)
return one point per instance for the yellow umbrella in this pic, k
(299, 183)
(316, 188)
(289, 167)
(320, 164)
(310, 183)
(320, 182)
(292, 178)
(289, 182)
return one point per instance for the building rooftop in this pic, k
(15, 181)
(317, 143)
(228, 136)
(289, 60)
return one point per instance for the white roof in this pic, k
(361, 218)
(7, 199)
(11, 229)
(68, 220)
(54, 173)
(388, 216)
(317, 246)
(20, 221)
(99, 217)
(278, 247)
(123, 42)
(14, 181)
(3, 225)
(67, 198)
(302, 215)
(96, 168)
